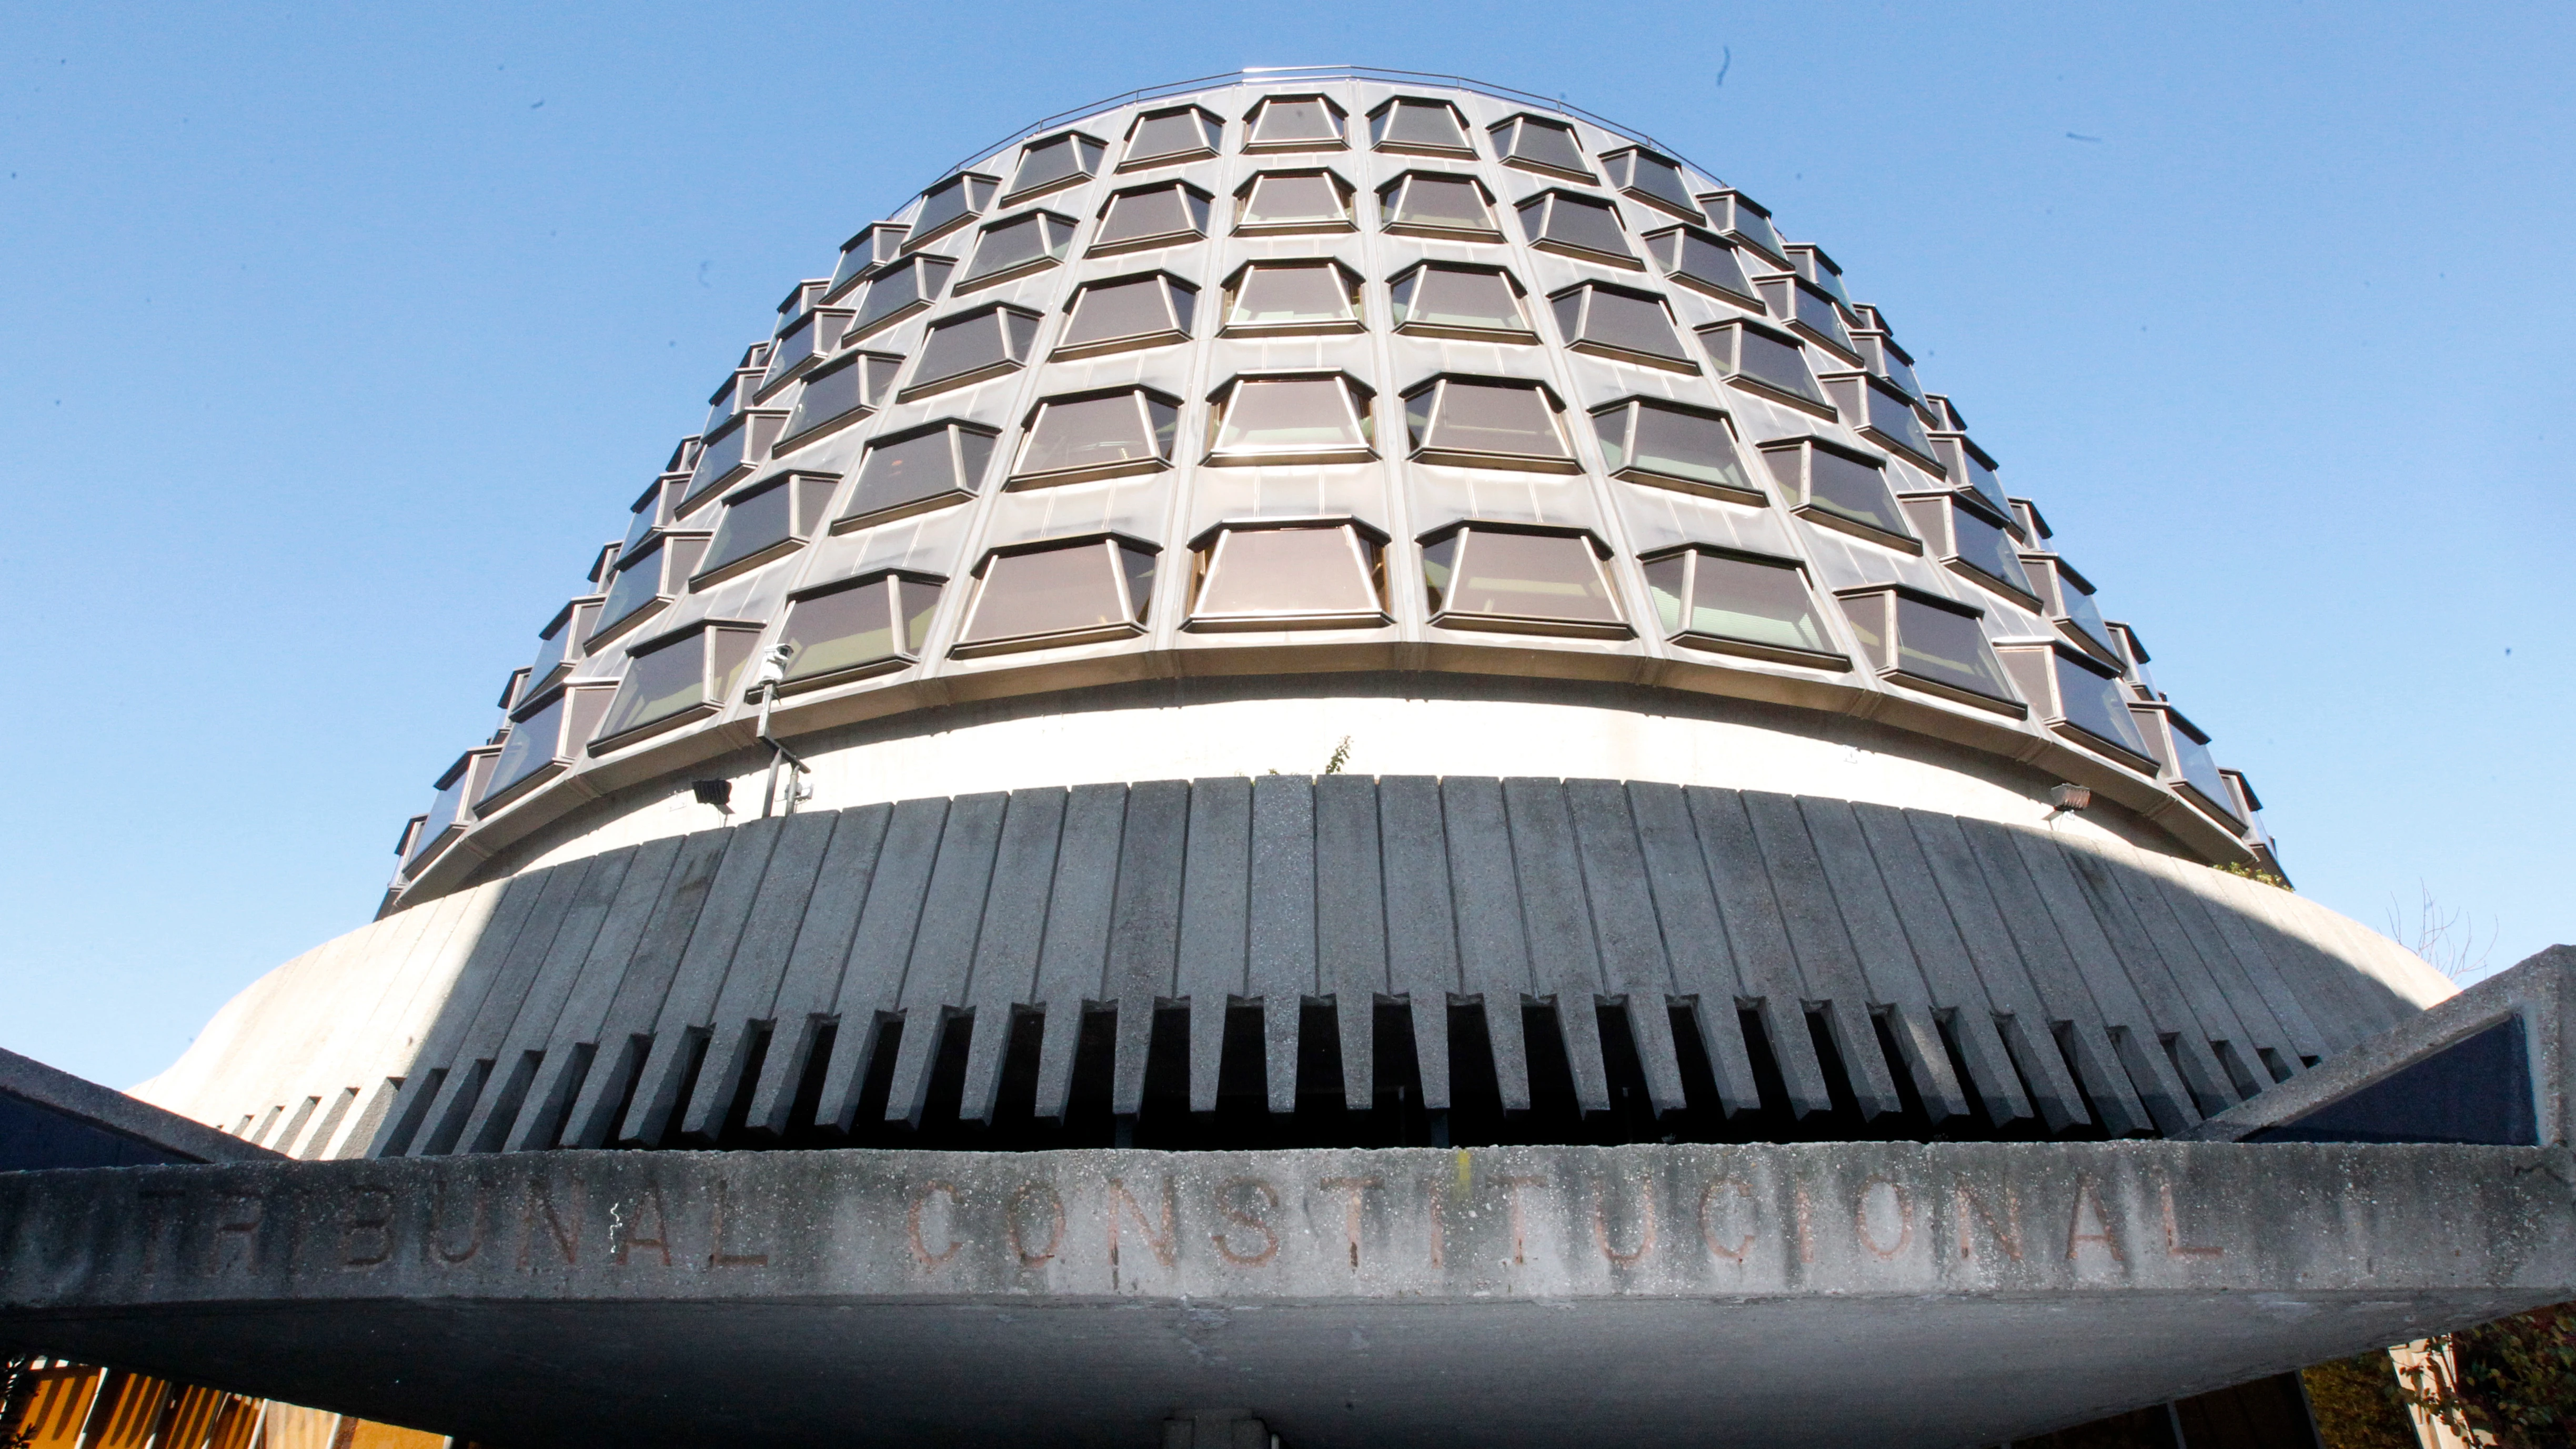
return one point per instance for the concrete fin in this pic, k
(1565, 961)
(1073, 964)
(1215, 929)
(1989, 945)
(943, 948)
(1624, 930)
(879, 949)
(1694, 938)
(809, 984)
(681, 1028)
(2158, 961)
(535, 1023)
(1421, 924)
(569, 1047)
(1493, 955)
(1896, 982)
(1831, 966)
(1144, 927)
(743, 1006)
(1310, 913)
(411, 1106)
(1006, 948)
(1764, 958)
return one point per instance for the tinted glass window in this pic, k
(1734, 215)
(442, 812)
(1541, 143)
(1137, 307)
(1295, 118)
(1061, 159)
(1576, 222)
(632, 588)
(1988, 548)
(1099, 431)
(1627, 321)
(1651, 175)
(1159, 211)
(1851, 488)
(852, 628)
(925, 465)
(1294, 196)
(1518, 576)
(553, 649)
(952, 200)
(1733, 598)
(1815, 310)
(909, 284)
(1053, 591)
(751, 524)
(1289, 414)
(838, 390)
(2082, 612)
(2094, 704)
(2198, 769)
(1484, 417)
(1419, 123)
(1781, 364)
(1692, 256)
(1183, 132)
(791, 350)
(1457, 297)
(646, 519)
(1275, 295)
(1950, 648)
(1287, 571)
(659, 685)
(530, 748)
(1671, 443)
(1018, 243)
(1451, 203)
(976, 340)
(1891, 364)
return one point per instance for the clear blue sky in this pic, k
(333, 341)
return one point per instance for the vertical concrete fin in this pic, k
(1421, 923)
(1624, 929)
(1006, 946)
(809, 984)
(1557, 920)
(1989, 945)
(1827, 960)
(743, 1005)
(879, 948)
(1215, 926)
(1763, 954)
(570, 1045)
(943, 948)
(680, 1029)
(543, 1004)
(1493, 956)
(1074, 964)
(1886, 957)
(402, 1129)
(1304, 921)
(1703, 965)
(1144, 927)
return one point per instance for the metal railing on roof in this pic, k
(1272, 74)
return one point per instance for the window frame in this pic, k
(809, 497)
(1208, 147)
(1182, 330)
(1809, 261)
(712, 693)
(877, 372)
(1103, 246)
(1655, 247)
(1504, 150)
(680, 552)
(1527, 335)
(1876, 345)
(1444, 617)
(1388, 205)
(570, 624)
(1088, 171)
(1369, 554)
(1891, 629)
(2055, 575)
(962, 488)
(1353, 288)
(874, 246)
(1689, 638)
(759, 429)
(1799, 497)
(1728, 228)
(825, 325)
(1424, 452)
(1727, 361)
(582, 704)
(1358, 397)
(1057, 249)
(1751, 495)
(1111, 542)
(471, 773)
(1303, 226)
(1019, 479)
(1935, 516)
(1537, 239)
(2034, 665)
(932, 273)
(1685, 210)
(2160, 722)
(1960, 461)
(1852, 394)
(1781, 292)
(1253, 146)
(918, 387)
(906, 655)
(919, 236)
(1680, 359)
(1465, 150)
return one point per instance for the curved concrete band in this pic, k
(1951, 1293)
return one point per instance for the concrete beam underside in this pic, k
(1888, 1293)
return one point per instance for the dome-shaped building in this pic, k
(1276, 621)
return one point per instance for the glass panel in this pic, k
(1781, 364)
(1689, 254)
(2197, 768)
(1138, 565)
(914, 281)
(1626, 321)
(1674, 444)
(909, 469)
(1814, 268)
(1573, 221)
(531, 747)
(1817, 313)
(1543, 143)
(659, 685)
(952, 200)
(1667, 580)
(1304, 196)
(2096, 705)
(1752, 225)
(1297, 118)
(1988, 548)
(1171, 133)
(1449, 202)
(1015, 244)
(1487, 417)
(1458, 297)
(1163, 211)
(1049, 592)
(1438, 565)
(2085, 615)
(553, 649)
(829, 393)
(750, 525)
(1089, 433)
(1419, 123)
(1111, 310)
(646, 519)
(1655, 177)
(1853, 489)
(443, 811)
(1868, 616)
(790, 350)
(963, 344)
(1288, 415)
(1530, 576)
(634, 587)
(1938, 645)
(842, 630)
(1894, 367)
(1287, 571)
(1274, 295)
(1061, 159)
(1760, 603)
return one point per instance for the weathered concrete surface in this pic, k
(1825, 1293)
